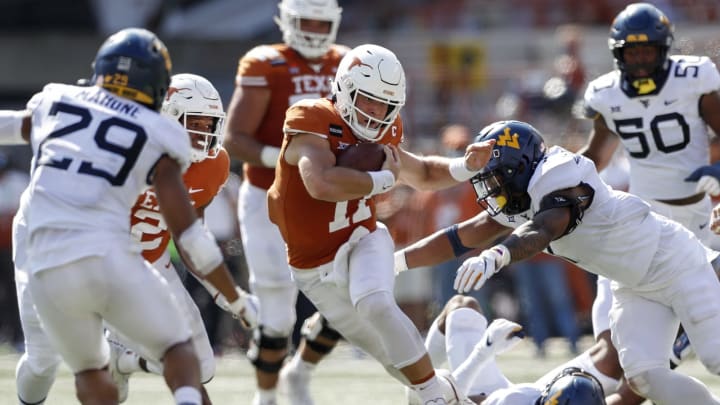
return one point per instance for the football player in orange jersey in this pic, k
(269, 79)
(195, 103)
(340, 257)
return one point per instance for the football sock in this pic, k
(474, 371)
(32, 388)
(435, 345)
(187, 396)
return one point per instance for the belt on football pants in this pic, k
(685, 201)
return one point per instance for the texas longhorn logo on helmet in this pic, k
(357, 62)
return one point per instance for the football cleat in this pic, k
(122, 380)
(257, 401)
(296, 385)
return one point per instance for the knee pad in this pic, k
(317, 326)
(262, 341)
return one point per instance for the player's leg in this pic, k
(144, 291)
(643, 350)
(68, 299)
(124, 357)
(698, 307)
(696, 218)
(464, 327)
(270, 281)
(371, 281)
(37, 367)
(318, 340)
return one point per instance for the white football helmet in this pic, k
(310, 44)
(376, 73)
(191, 94)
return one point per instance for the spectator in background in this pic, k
(12, 184)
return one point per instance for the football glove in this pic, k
(500, 336)
(245, 309)
(707, 178)
(475, 271)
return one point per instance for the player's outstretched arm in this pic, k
(198, 246)
(438, 172)
(481, 232)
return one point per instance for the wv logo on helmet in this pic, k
(508, 140)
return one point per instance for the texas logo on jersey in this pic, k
(203, 181)
(290, 78)
(303, 220)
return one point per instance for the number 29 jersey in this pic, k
(663, 133)
(313, 229)
(94, 153)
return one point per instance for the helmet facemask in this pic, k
(311, 45)
(365, 125)
(496, 193)
(205, 143)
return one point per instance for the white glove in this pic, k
(475, 271)
(500, 336)
(246, 308)
(715, 219)
(709, 185)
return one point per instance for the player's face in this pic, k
(640, 59)
(315, 26)
(200, 124)
(374, 108)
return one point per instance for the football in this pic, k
(367, 156)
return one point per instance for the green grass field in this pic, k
(344, 377)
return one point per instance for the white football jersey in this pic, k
(617, 237)
(94, 153)
(663, 133)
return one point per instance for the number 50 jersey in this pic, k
(94, 153)
(663, 132)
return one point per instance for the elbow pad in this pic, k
(200, 248)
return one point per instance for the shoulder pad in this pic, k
(264, 53)
(605, 81)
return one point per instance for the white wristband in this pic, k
(504, 256)
(400, 262)
(269, 156)
(11, 126)
(383, 181)
(459, 171)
